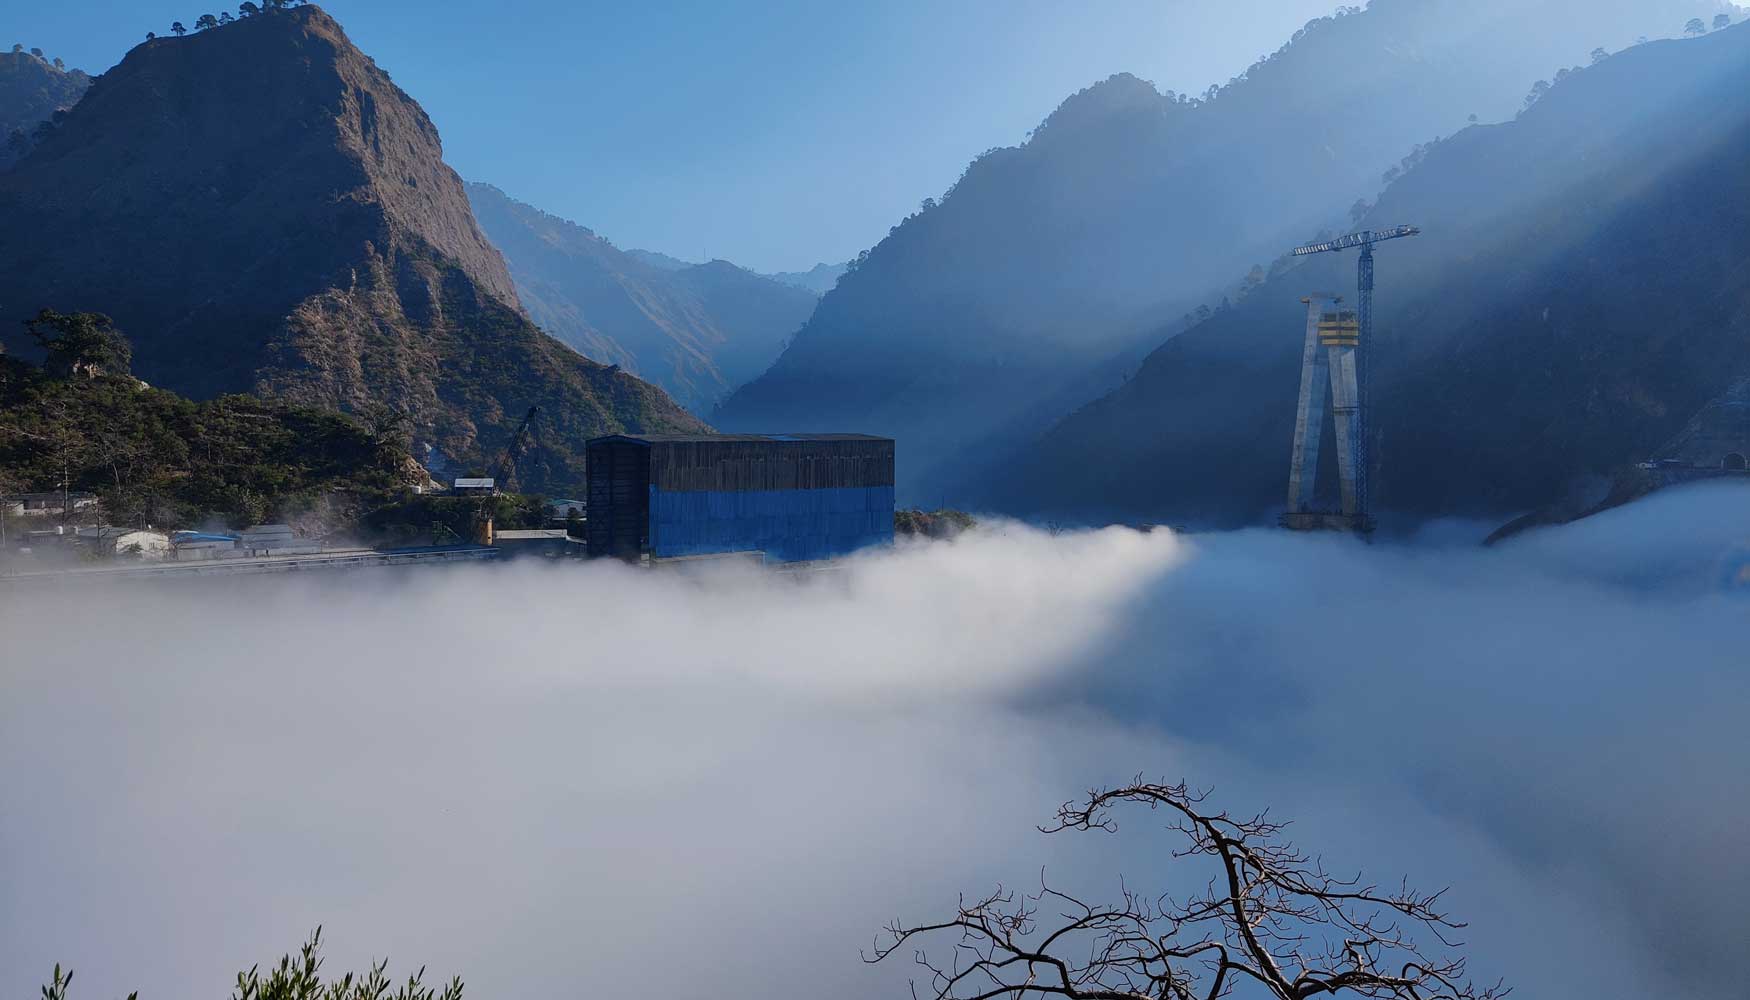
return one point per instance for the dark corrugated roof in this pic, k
(201, 536)
(690, 438)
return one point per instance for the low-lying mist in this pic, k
(601, 782)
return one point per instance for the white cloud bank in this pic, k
(597, 782)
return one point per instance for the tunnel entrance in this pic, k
(1733, 462)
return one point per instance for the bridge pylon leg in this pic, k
(1309, 419)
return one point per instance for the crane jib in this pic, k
(1357, 239)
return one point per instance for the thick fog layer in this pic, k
(599, 782)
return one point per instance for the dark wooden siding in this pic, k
(619, 498)
(739, 465)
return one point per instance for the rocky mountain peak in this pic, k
(261, 209)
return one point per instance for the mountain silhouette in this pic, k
(1052, 267)
(1577, 297)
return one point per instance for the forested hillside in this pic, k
(696, 330)
(264, 211)
(1579, 293)
(1128, 207)
(83, 422)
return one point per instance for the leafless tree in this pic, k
(1271, 921)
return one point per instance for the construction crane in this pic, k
(518, 441)
(1363, 240)
(484, 532)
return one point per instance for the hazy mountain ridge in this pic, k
(262, 209)
(1127, 206)
(656, 259)
(1577, 296)
(32, 89)
(818, 279)
(696, 330)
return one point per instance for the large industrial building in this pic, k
(791, 497)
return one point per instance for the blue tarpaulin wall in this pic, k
(787, 525)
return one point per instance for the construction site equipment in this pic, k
(484, 533)
(513, 451)
(1344, 365)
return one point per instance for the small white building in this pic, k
(476, 487)
(116, 542)
(560, 510)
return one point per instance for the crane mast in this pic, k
(1364, 372)
(512, 451)
(484, 530)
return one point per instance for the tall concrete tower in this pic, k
(1346, 338)
(1329, 369)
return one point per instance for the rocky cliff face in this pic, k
(696, 330)
(262, 209)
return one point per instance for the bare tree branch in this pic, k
(1269, 915)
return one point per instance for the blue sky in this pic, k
(775, 134)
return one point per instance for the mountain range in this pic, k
(263, 210)
(1051, 268)
(818, 279)
(1577, 296)
(696, 330)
